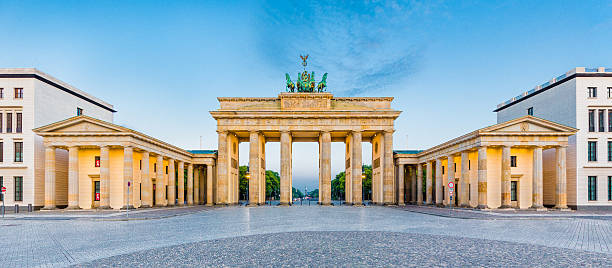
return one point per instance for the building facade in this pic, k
(30, 98)
(580, 98)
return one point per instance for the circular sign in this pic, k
(3, 189)
(451, 184)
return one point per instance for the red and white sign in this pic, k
(97, 197)
(3, 189)
(451, 185)
(450, 193)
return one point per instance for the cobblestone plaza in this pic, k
(305, 235)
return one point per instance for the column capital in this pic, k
(561, 146)
(390, 130)
(73, 147)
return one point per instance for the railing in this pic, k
(560, 77)
(590, 70)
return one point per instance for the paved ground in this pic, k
(80, 240)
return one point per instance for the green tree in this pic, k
(272, 185)
(244, 182)
(338, 191)
(337, 186)
(297, 193)
(314, 193)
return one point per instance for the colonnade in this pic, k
(152, 178)
(474, 189)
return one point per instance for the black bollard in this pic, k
(16, 208)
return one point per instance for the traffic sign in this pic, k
(450, 193)
(451, 185)
(3, 189)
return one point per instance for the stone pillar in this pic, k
(450, 170)
(348, 179)
(160, 188)
(285, 164)
(439, 194)
(561, 189)
(146, 184)
(465, 180)
(128, 174)
(428, 183)
(73, 177)
(505, 182)
(209, 185)
(419, 184)
(537, 189)
(189, 184)
(49, 178)
(202, 184)
(196, 185)
(413, 186)
(222, 189)
(400, 185)
(325, 169)
(181, 183)
(171, 183)
(356, 172)
(254, 162)
(388, 168)
(104, 177)
(482, 178)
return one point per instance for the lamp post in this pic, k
(363, 176)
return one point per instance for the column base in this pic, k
(357, 204)
(145, 206)
(419, 203)
(160, 206)
(181, 204)
(562, 208)
(401, 204)
(252, 205)
(505, 206)
(209, 204)
(440, 205)
(49, 208)
(124, 207)
(483, 207)
(284, 204)
(73, 207)
(104, 207)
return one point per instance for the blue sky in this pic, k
(446, 63)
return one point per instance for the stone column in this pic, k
(160, 188)
(189, 184)
(49, 178)
(202, 191)
(428, 183)
(439, 194)
(209, 185)
(450, 170)
(73, 177)
(356, 166)
(561, 189)
(505, 191)
(196, 185)
(146, 184)
(537, 189)
(400, 185)
(104, 177)
(413, 186)
(285, 164)
(419, 184)
(465, 180)
(325, 165)
(388, 168)
(171, 183)
(181, 183)
(222, 195)
(254, 162)
(128, 174)
(482, 178)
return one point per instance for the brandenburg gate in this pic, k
(305, 117)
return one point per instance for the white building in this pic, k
(580, 98)
(30, 98)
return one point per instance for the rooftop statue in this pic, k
(306, 82)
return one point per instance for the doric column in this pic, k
(482, 178)
(505, 182)
(104, 177)
(419, 184)
(450, 170)
(413, 186)
(400, 185)
(348, 170)
(146, 184)
(439, 194)
(181, 183)
(389, 193)
(196, 185)
(537, 189)
(222, 169)
(202, 192)
(561, 189)
(49, 178)
(285, 164)
(254, 162)
(189, 184)
(465, 180)
(160, 187)
(128, 174)
(209, 185)
(171, 183)
(428, 183)
(73, 177)
(325, 166)
(356, 172)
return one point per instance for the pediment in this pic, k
(80, 124)
(528, 124)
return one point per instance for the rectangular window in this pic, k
(96, 190)
(530, 111)
(592, 92)
(140, 164)
(442, 169)
(1, 127)
(513, 160)
(609, 188)
(1, 93)
(19, 152)
(96, 161)
(513, 185)
(1, 152)
(469, 165)
(18, 188)
(592, 188)
(609, 120)
(166, 170)
(79, 111)
(455, 167)
(592, 151)
(154, 167)
(2, 184)
(601, 120)
(18, 93)
(19, 127)
(609, 150)
(591, 120)
(610, 93)
(9, 122)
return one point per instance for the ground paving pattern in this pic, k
(41, 242)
